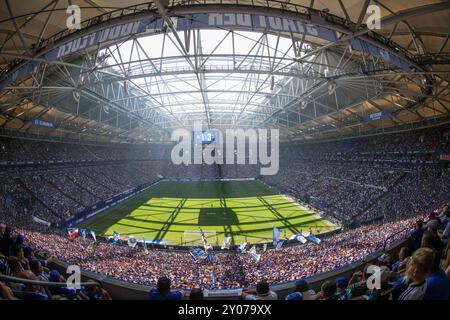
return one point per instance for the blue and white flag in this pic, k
(243, 246)
(206, 245)
(83, 233)
(264, 247)
(313, 238)
(209, 256)
(226, 243)
(279, 244)
(299, 237)
(144, 244)
(276, 236)
(213, 284)
(197, 254)
(132, 242)
(93, 235)
(116, 237)
(253, 253)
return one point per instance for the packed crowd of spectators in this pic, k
(22, 150)
(24, 262)
(232, 269)
(363, 193)
(420, 272)
(365, 180)
(55, 195)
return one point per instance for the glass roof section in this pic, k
(224, 78)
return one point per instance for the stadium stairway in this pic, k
(98, 182)
(82, 187)
(34, 197)
(62, 192)
(384, 194)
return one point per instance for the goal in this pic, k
(194, 238)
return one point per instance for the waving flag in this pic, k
(132, 242)
(299, 237)
(91, 249)
(264, 247)
(313, 238)
(213, 284)
(279, 244)
(242, 246)
(83, 233)
(145, 246)
(276, 235)
(197, 253)
(206, 245)
(209, 256)
(116, 237)
(253, 253)
(93, 235)
(226, 243)
(72, 233)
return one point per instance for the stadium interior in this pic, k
(351, 96)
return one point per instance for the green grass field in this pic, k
(244, 210)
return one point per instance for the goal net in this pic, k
(194, 238)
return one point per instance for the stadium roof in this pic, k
(134, 71)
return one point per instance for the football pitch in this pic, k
(170, 212)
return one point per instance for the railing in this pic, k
(387, 242)
(46, 285)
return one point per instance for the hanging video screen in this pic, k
(205, 137)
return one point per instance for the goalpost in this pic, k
(194, 237)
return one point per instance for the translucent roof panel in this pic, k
(214, 72)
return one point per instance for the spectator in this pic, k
(384, 292)
(302, 292)
(6, 243)
(341, 288)
(196, 294)
(431, 240)
(262, 292)
(357, 284)
(328, 291)
(97, 293)
(420, 266)
(437, 282)
(417, 235)
(403, 258)
(162, 291)
(64, 291)
(5, 292)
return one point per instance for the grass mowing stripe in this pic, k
(156, 213)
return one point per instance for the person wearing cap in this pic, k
(297, 294)
(55, 276)
(302, 291)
